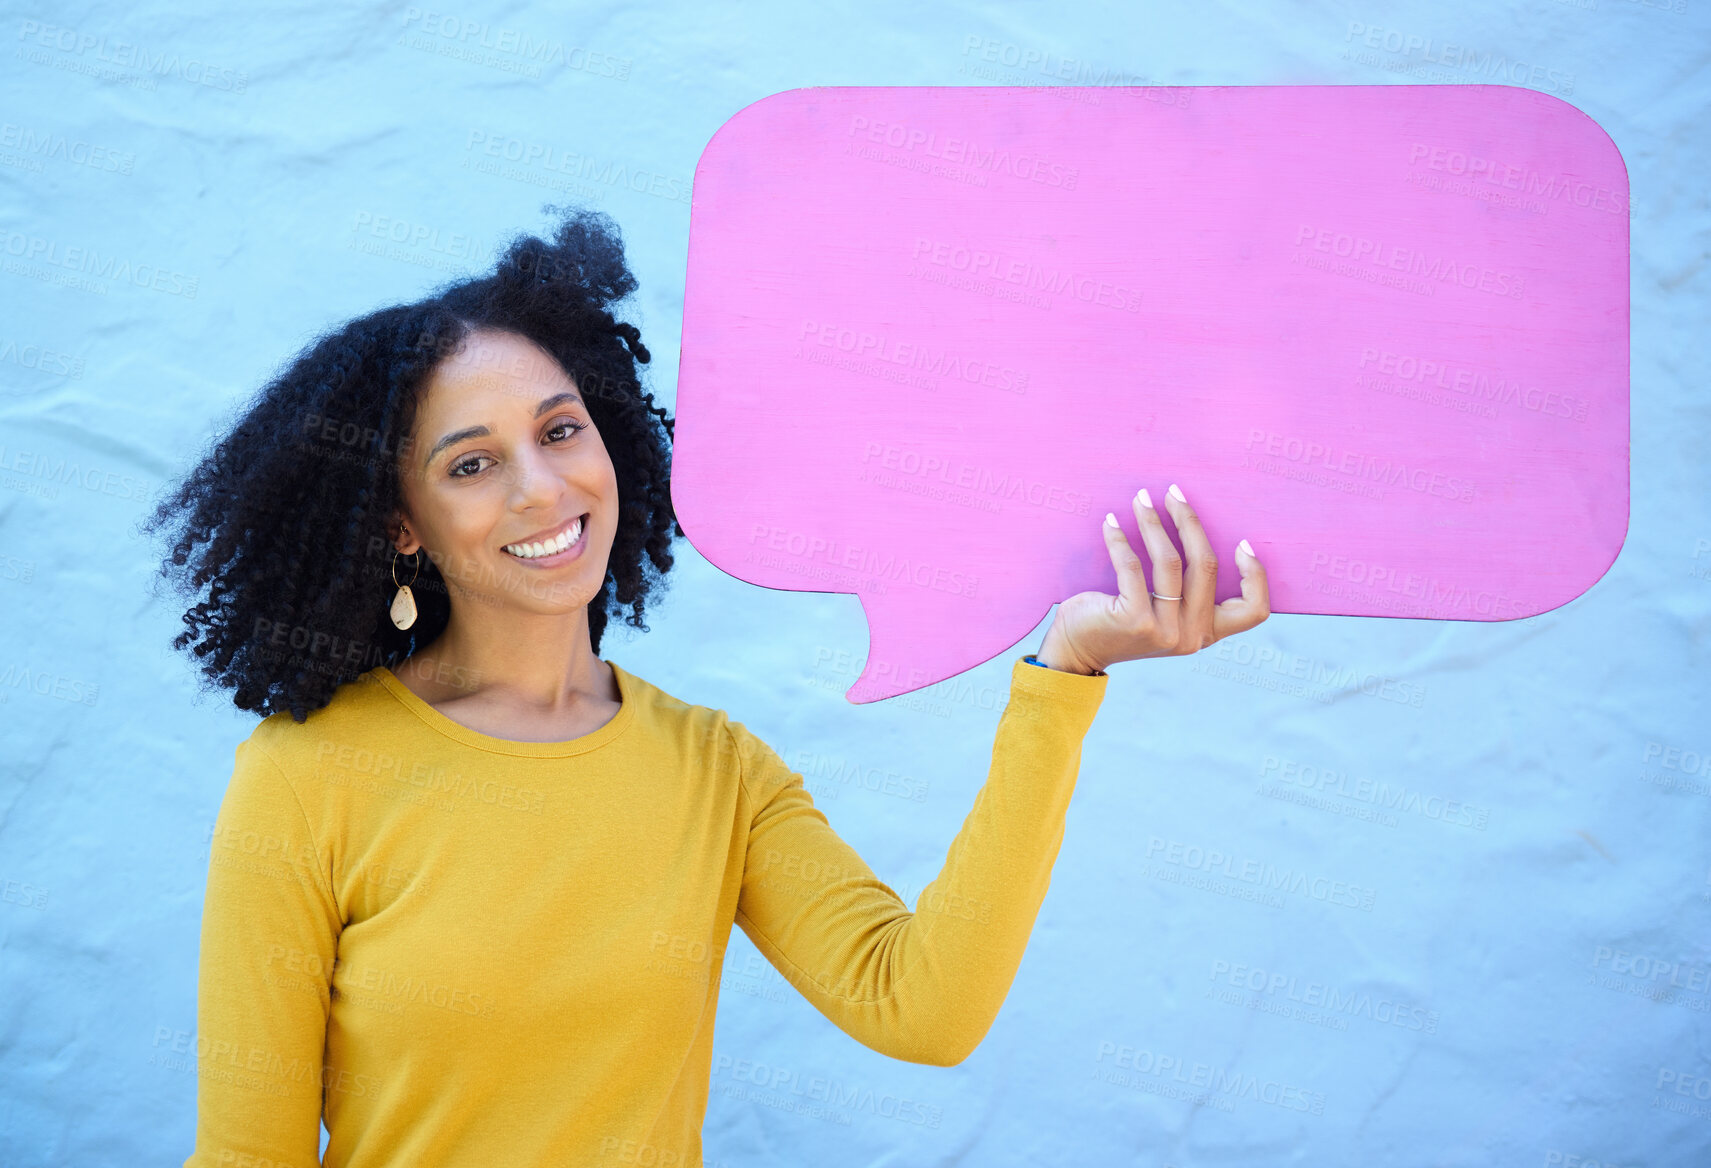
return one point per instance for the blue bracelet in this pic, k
(1032, 660)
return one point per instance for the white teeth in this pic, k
(537, 549)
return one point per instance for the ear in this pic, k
(405, 543)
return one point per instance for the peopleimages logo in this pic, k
(1410, 261)
(1325, 996)
(1221, 1083)
(1263, 875)
(994, 265)
(882, 347)
(1692, 976)
(1391, 796)
(1460, 62)
(834, 1093)
(1473, 383)
(1518, 177)
(1321, 674)
(1381, 469)
(962, 152)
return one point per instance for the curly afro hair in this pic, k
(285, 520)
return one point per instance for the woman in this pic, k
(471, 886)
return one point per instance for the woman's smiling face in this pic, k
(504, 467)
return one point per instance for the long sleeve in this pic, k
(925, 985)
(270, 929)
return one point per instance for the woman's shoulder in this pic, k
(702, 727)
(359, 710)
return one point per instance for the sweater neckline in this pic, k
(628, 693)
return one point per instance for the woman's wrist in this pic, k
(1053, 655)
(1033, 660)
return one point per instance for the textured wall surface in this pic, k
(1334, 891)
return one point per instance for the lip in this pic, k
(568, 554)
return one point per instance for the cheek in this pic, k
(468, 521)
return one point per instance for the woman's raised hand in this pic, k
(1096, 629)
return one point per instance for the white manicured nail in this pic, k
(1146, 499)
(1246, 550)
(1177, 491)
(1110, 519)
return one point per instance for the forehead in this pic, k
(492, 363)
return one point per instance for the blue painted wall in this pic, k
(1527, 983)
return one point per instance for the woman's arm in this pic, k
(270, 929)
(924, 986)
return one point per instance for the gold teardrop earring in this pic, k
(404, 603)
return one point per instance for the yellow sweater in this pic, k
(466, 951)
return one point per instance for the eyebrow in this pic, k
(483, 431)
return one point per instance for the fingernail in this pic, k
(1246, 550)
(1110, 519)
(1177, 491)
(1146, 499)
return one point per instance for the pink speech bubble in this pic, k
(932, 335)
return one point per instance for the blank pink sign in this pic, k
(932, 335)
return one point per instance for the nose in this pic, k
(533, 483)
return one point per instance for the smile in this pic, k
(563, 545)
